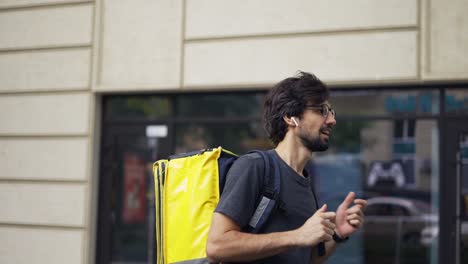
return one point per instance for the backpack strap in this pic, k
(270, 200)
(321, 246)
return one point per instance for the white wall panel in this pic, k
(24, 158)
(448, 37)
(56, 26)
(206, 18)
(45, 204)
(20, 3)
(28, 245)
(342, 57)
(141, 43)
(44, 114)
(45, 70)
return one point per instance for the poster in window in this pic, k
(134, 199)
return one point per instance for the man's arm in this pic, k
(227, 243)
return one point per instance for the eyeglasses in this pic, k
(324, 109)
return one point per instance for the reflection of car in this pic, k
(431, 233)
(392, 229)
(397, 219)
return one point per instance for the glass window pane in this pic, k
(463, 170)
(398, 129)
(385, 103)
(411, 128)
(238, 138)
(220, 105)
(132, 207)
(128, 214)
(137, 107)
(456, 101)
(372, 210)
(398, 210)
(401, 188)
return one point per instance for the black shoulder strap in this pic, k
(321, 246)
(270, 200)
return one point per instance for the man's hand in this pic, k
(348, 220)
(318, 228)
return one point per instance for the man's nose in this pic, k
(331, 121)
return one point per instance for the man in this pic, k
(299, 121)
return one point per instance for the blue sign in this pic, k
(423, 103)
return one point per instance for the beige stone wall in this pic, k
(263, 41)
(46, 112)
(140, 45)
(444, 39)
(58, 56)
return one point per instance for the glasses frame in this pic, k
(325, 109)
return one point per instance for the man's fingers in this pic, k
(322, 212)
(348, 200)
(329, 225)
(328, 215)
(360, 202)
(323, 208)
(353, 216)
(353, 210)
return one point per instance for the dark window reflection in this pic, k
(384, 103)
(398, 129)
(220, 105)
(137, 107)
(456, 101)
(391, 162)
(238, 138)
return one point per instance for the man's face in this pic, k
(316, 126)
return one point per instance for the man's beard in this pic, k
(314, 144)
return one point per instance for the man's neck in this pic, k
(293, 153)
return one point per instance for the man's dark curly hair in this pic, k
(289, 98)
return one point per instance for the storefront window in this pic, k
(385, 103)
(139, 130)
(384, 147)
(226, 105)
(137, 107)
(463, 207)
(238, 138)
(401, 188)
(456, 101)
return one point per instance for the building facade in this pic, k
(88, 85)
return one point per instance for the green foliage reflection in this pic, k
(346, 136)
(141, 107)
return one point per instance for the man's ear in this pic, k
(294, 121)
(291, 121)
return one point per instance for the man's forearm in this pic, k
(227, 243)
(236, 246)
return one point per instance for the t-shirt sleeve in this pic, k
(242, 189)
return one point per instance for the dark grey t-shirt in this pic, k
(243, 190)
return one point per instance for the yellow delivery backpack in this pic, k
(187, 190)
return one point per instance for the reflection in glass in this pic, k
(393, 163)
(220, 105)
(368, 103)
(463, 172)
(131, 203)
(456, 101)
(238, 138)
(137, 107)
(394, 169)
